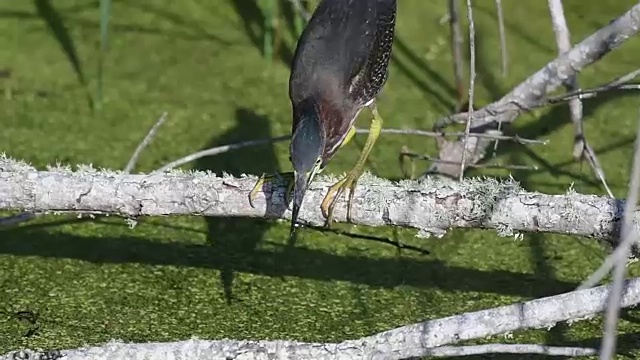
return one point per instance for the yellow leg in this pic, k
(352, 131)
(351, 179)
(287, 176)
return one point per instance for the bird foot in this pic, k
(287, 176)
(335, 191)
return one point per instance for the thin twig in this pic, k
(503, 39)
(219, 150)
(397, 244)
(477, 166)
(608, 346)
(225, 148)
(145, 142)
(549, 77)
(515, 138)
(472, 78)
(450, 351)
(300, 9)
(581, 148)
(456, 49)
(586, 94)
(542, 82)
(503, 55)
(618, 84)
(592, 159)
(609, 262)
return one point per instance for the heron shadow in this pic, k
(236, 239)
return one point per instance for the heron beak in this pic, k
(299, 188)
(302, 182)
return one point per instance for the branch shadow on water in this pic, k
(236, 239)
(426, 78)
(541, 259)
(182, 26)
(57, 27)
(485, 70)
(556, 118)
(512, 28)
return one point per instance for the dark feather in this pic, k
(341, 62)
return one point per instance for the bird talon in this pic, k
(334, 193)
(329, 200)
(255, 189)
(288, 176)
(287, 195)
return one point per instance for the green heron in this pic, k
(339, 67)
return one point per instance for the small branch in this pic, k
(456, 49)
(487, 135)
(626, 240)
(552, 75)
(581, 148)
(226, 148)
(616, 84)
(503, 55)
(593, 161)
(472, 79)
(416, 340)
(477, 166)
(145, 142)
(544, 81)
(219, 150)
(563, 41)
(430, 205)
(503, 39)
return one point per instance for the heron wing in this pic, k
(340, 62)
(371, 72)
(337, 45)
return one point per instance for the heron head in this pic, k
(306, 148)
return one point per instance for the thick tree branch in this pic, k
(416, 340)
(544, 81)
(430, 205)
